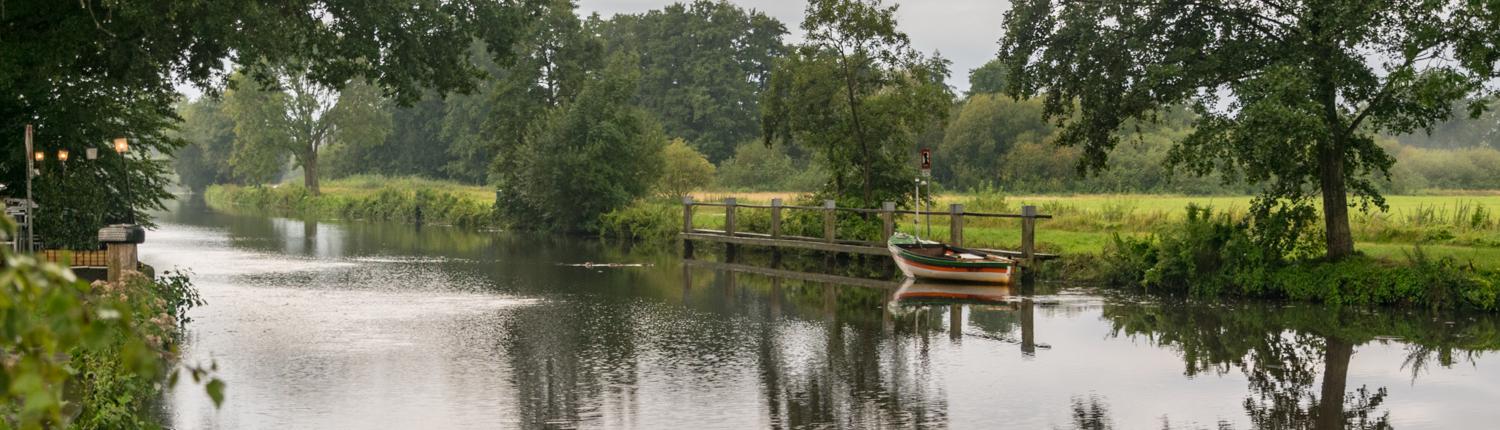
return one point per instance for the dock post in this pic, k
(687, 226)
(729, 205)
(776, 218)
(956, 224)
(1028, 235)
(729, 227)
(887, 221)
(828, 226)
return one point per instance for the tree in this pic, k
(556, 56)
(209, 133)
(88, 71)
(986, 129)
(585, 158)
(302, 118)
(988, 79)
(858, 95)
(683, 170)
(1288, 94)
(703, 67)
(415, 144)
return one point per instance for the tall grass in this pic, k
(370, 198)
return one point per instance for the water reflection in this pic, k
(367, 325)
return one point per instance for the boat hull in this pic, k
(915, 268)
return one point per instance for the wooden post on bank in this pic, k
(776, 218)
(887, 221)
(729, 227)
(729, 205)
(1028, 235)
(956, 224)
(687, 225)
(828, 226)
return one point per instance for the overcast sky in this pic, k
(966, 32)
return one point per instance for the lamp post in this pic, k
(122, 145)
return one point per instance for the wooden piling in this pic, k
(828, 217)
(729, 206)
(687, 225)
(776, 218)
(887, 220)
(956, 224)
(1028, 235)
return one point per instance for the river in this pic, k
(368, 325)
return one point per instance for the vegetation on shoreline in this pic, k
(88, 356)
(369, 198)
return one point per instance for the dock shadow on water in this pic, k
(337, 325)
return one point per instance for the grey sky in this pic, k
(964, 31)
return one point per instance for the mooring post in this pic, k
(687, 214)
(776, 218)
(687, 225)
(956, 224)
(887, 220)
(1028, 235)
(828, 226)
(729, 205)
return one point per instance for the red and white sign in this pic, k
(926, 162)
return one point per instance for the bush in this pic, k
(683, 170)
(648, 221)
(103, 347)
(1208, 256)
(396, 200)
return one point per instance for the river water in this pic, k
(364, 325)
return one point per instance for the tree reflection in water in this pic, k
(1285, 351)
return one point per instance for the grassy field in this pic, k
(1460, 225)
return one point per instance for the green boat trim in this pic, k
(900, 240)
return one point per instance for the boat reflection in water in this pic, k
(917, 296)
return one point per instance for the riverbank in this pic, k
(365, 198)
(1437, 250)
(92, 356)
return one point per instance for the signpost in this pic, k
(30, 215)
(927, 175)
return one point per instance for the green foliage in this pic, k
(301, 118)
(988, 78)
(756, 166)
(209, 133)
(858, 96)
(645, 220)
(586, 158)
(1305, 95)
(361, 198)
(86, 72)
(1211, 256)
(683, 170)
(557, 55)
(988, 128)
(703, 65)
(104, 347)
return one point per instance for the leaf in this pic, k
(215, 390)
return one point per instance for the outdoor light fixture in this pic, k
(39, 155)
(122, 145)
(91, 153)
(62, 155)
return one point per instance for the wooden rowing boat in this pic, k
(926, 259)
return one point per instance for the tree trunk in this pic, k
(1335, 375)
(310, 172)
(1335, 200)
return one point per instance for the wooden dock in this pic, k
(829, 242)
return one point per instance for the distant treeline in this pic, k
(588, 104)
